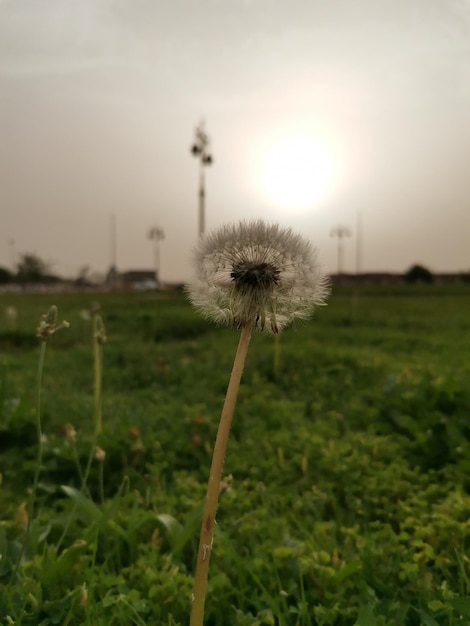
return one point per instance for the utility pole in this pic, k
(12, 255)
(200, 149)
(340, 232)
(113, 246)
(359, 243)
(156, 235)
(113, 273)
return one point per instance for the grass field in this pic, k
(347, 474)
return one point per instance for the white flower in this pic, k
(258, 273)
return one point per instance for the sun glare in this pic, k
(297, 172)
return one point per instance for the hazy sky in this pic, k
(316, 110)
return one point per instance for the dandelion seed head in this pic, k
(259, 273)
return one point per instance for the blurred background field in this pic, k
(348, 498)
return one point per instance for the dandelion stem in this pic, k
(212, 497)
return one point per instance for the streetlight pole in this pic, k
(200, 149)
(340, 232)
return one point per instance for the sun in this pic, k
(297, 172)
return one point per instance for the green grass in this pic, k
(349, 502)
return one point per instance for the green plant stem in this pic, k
(77, 462)
(84, 479)
(37, 471)
(97, 351)
(215, 475)
(101, 481)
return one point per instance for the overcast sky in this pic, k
(99, 100)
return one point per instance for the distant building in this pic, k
(141, 280)
(369, 278)
(452, 277)
(390, 278)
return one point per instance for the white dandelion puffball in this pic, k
(257, 273)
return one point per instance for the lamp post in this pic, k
(156, 235)
(200, 149)
(340, 232)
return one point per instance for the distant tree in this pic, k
(5, 276)
(83, 278)
(418, 274)
(32, 269)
